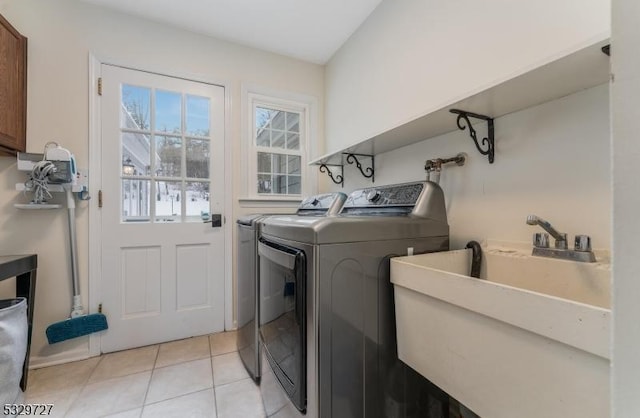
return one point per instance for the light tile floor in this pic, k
(197, 377)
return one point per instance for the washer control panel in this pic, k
(386, 196)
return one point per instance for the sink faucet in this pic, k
(561, 238)
(582, 248)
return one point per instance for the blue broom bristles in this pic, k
(76, 327)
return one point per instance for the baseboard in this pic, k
(37, 362)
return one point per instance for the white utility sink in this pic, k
(530, 338)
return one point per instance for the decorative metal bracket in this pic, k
(488, 141)
(337, 178)
(368, 172)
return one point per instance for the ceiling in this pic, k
(310, 30)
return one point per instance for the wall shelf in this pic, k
(330, 168)
(582, 69)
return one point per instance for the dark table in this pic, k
(23, 268)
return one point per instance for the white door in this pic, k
(162, 178)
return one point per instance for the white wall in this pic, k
(61, 35)
(551, 160)
(625, 114)
(411, 57)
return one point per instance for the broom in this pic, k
(79, 323)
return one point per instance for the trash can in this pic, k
(13, 348)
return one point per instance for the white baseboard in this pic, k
(37, 362)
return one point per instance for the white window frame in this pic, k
(307, 107)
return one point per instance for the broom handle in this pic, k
(76, 309)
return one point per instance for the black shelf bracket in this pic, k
(368, 172)
(336, 178)
(487, 142)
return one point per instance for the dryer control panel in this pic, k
(322, 205)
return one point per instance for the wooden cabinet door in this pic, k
(13, 88)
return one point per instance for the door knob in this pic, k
(215, 219)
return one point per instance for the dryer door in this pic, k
(283, 316)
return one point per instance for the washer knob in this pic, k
(315, 202)
(373, 195)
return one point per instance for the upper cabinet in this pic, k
(13, 89)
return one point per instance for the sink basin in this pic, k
(530, 338)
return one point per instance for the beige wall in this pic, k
(411, 57)
(61, 35)
(552, 160)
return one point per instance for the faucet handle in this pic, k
(541, 240)
(582, 243)
(561, 244)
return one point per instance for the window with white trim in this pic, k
(278, 143)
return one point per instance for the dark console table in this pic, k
(23, 268)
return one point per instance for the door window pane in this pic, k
(168, 112)
(135, 109)
(169, 152)
(135, 200)
(198, 109)
(168, 201)
(198, 158)
(162, 149)
(197, 202)
(135, 154)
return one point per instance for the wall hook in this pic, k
(368, 172)
(488, 142)
(337, 179)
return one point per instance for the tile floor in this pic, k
(196, 377)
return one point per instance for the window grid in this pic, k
(151, 179)
(278, 141)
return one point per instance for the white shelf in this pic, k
(57, 188)
(582, 69)
(37, 206)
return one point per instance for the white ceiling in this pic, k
(311, 30)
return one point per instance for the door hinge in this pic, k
(99, 198)
(99, 86)
(100, 308)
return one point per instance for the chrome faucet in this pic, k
(582, 244)
(561, 238)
